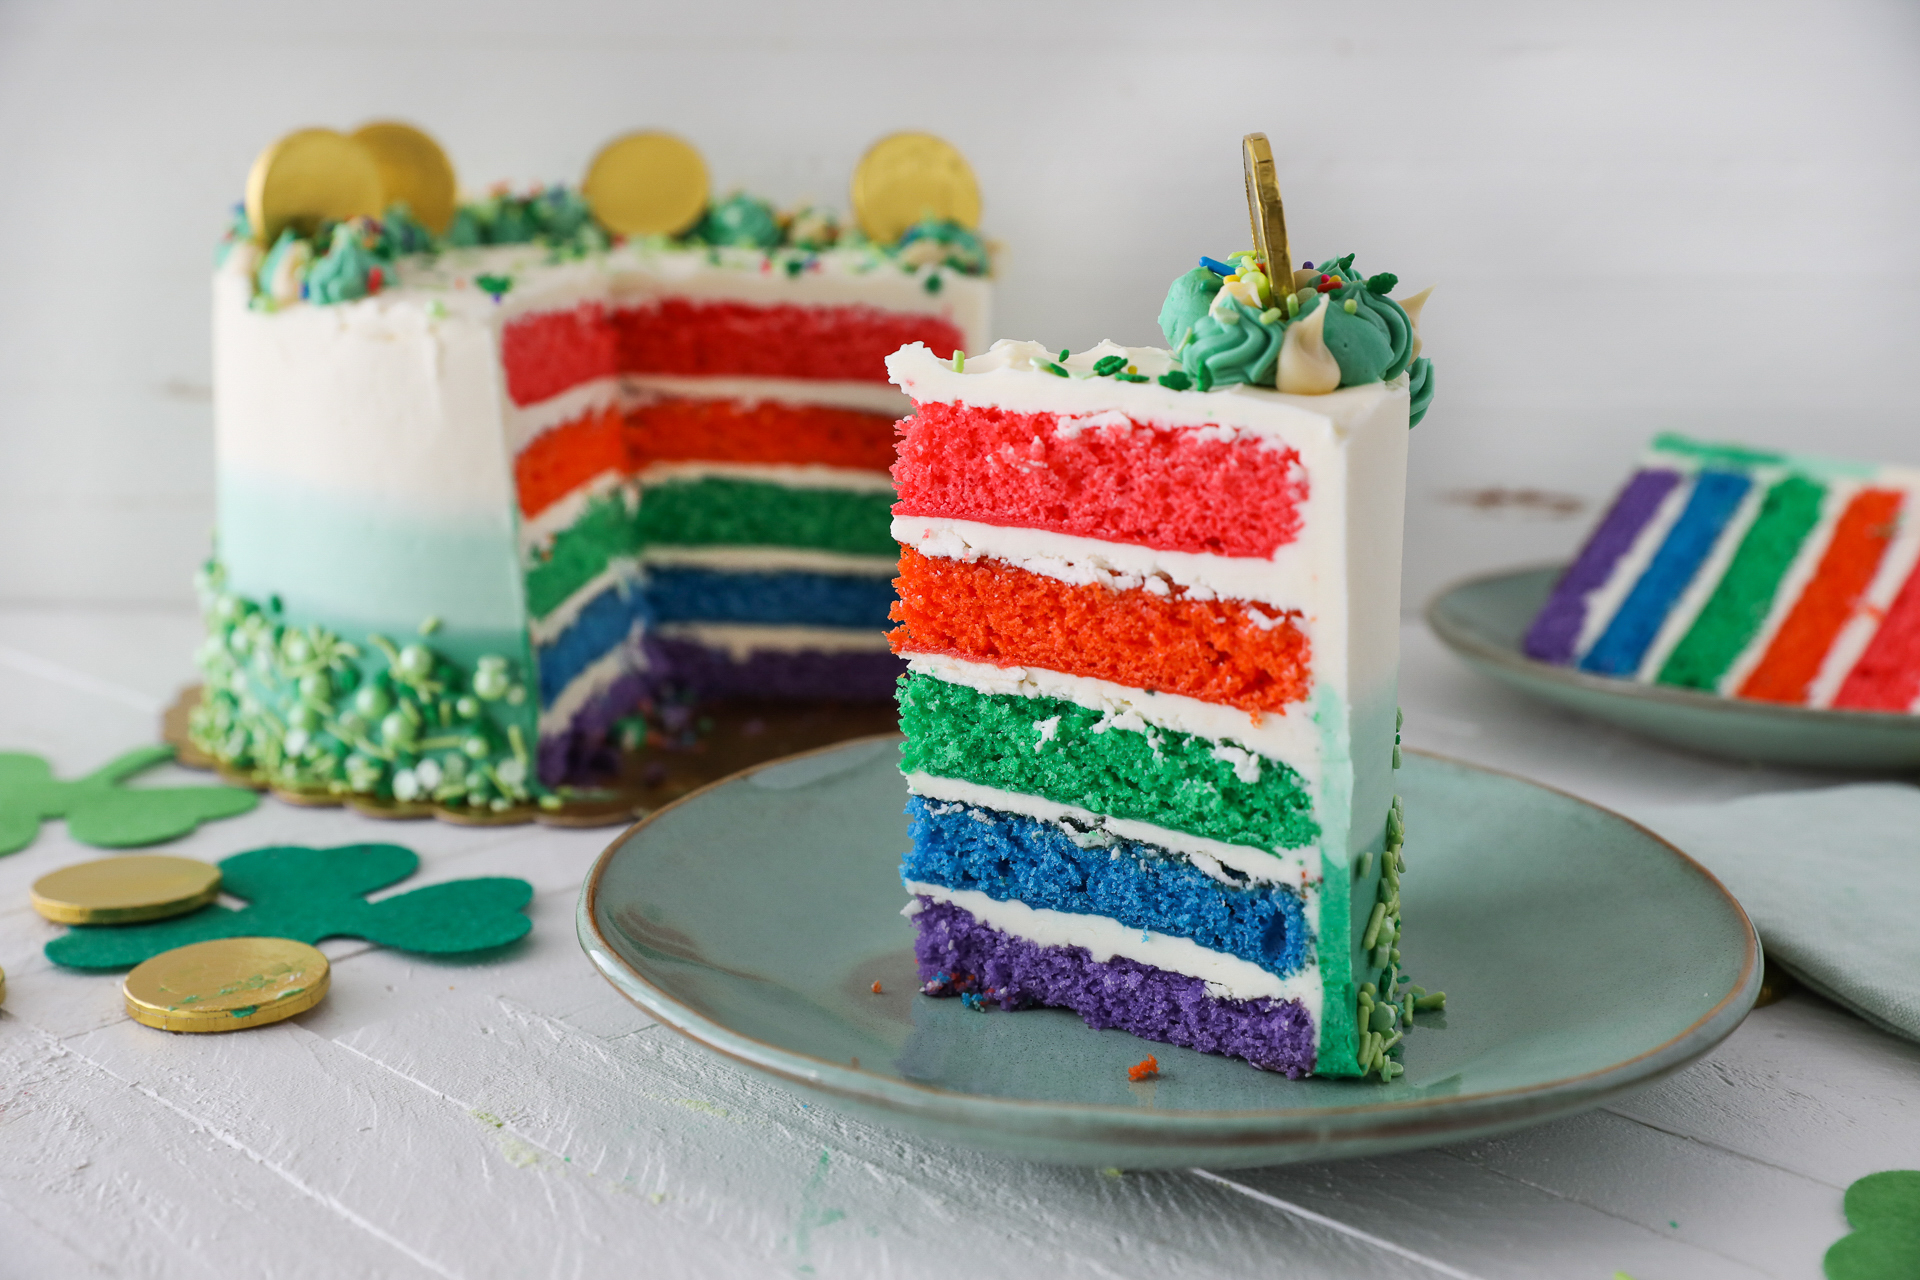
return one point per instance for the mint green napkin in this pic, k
(1831, 879)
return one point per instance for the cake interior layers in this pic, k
(1127, 709)
(1749, 574)
(722, 546)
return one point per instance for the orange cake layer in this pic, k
(989, 611)
(1794, 657)
(565, 457)
(687, 429)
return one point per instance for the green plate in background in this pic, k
(1484, 620)
(1582, 957)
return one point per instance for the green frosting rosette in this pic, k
(346, 270)
(1189, 299)
(1233, 343)
(740, 222)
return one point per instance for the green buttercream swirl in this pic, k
(1374, 342)
(1188, 299)
(1223, 352)
(1420, 388)
(341, 276)
(742, 222)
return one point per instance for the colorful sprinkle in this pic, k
(1177, 380)
(1053, 368)
(1107, 366)
(877, 991)
(1148, 1069)
(1216, 266)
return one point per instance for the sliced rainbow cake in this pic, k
(1749, 574)
(1151, 634)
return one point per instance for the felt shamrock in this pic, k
(310, 894)
(1884, 1211)
(101, 812)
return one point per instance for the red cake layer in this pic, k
(565, 457)
(1860, 539)
(1887, 677)
(989, 611)
(844, 343)
(1171, 489)
(547, 352)
(688, 430)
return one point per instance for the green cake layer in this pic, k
(1048, 747)
(605, 531)
(720, 512)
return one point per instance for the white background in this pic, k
(1640, 216)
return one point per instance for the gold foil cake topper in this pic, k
(909, 176)
(226, 984)
(146, 886)
(414, 170)
(647, 184)
(308, 177)
(1264, 210)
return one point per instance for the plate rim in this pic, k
(1470, 645)
(1170, 1127)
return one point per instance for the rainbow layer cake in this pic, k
(1749, 574)
(485, 490)
(1150, 606)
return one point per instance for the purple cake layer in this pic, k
(1557, 628)
(961, 956)
(583, 751)
(769, 673)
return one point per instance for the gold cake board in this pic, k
(743, 734)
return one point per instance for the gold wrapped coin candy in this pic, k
(226, 984)
(905, 177)
(1264, 209)
(122, 890)
(647, 184)
(413, 170)
(308, 177)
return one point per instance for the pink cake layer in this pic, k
(1173, 489)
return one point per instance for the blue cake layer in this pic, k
(809, 599)
(1011, 857)
(606, 621)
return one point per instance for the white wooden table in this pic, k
(520, 1119)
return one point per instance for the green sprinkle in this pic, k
(1177, 380)
(959, 361)
(1107, 366)
(1064, 353)
(1396, 755)
(1293, 304)
(1270, 315)
(1351, 306)
(244, 1011)
(933, 284)
(1055, 369)
(1362, 867)
(1399, 723)
(1131, 377)
(1374, 921)
(1429, 1003)
(1206, 378)
(495, 285)
(431, 625)
(1382, 283)
(1392, 1071)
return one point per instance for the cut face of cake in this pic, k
(1749, 574)
(1150, 705)
(476, 502)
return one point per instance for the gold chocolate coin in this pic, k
(308, 176)
(413, 169)
(647, 184)
(140, 886)
(1264, 211)
(909, 176)
(226, 984)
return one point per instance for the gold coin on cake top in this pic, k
(905, 177)
(226, 984)
(308, 176)
(141, 886)
(413, 169)
(1265, 212)
(647, 184)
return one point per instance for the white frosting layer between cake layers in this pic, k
(1291, 867)
(1227, 977)
(769, 560)
(1286, 582)
(809, 476)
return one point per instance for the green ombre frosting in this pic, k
(344, 273)
(1188, 300)
(1231, 344)
(742, 222)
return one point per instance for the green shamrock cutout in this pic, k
(1884, 1211)
(310, 894)
(101, 812)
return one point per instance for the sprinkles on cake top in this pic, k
(1149, 602)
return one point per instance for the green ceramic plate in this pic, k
(1484, 619)
(1581, 955)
